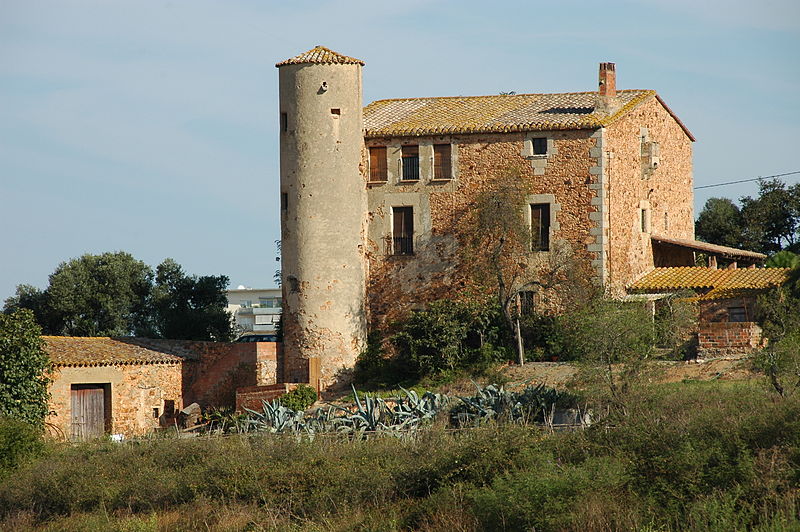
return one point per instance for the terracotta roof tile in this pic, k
(498, 113)
(321, 55)
(103, 351)
(722, 283)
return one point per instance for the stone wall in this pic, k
(633, 184)
(436, 270)
(136, 390)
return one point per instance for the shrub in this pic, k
(19, 441)
(300, 398)
(450, 335)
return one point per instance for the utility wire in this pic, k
(747, 180)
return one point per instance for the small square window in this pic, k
(737, 314)
(539, 146)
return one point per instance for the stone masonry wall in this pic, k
(397, 283)
(666, 190)
(136, 389)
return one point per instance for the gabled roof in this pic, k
(321, 55)
(103, 351)
(715, 284)
(497, 113)
(723, 251)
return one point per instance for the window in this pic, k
(410, 158)
(644, 214)
(737, 314)
(336, 113)
(402, 230)
(540, 227)
(377, 164)
(245, 303)
(284, 122)
(527, 302)
(269, 302)
(539, 146)
(284, 201)
(441, 162)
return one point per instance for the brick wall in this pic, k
(252, 396)
(725, 338)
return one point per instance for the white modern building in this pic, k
(255, 309)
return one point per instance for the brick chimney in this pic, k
(607, 102)
(608, 80)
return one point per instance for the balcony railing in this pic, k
(411, 168)
(403, 245)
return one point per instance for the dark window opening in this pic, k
(284, 201)
(441, 161)
(737, 314)
(540, 227)
(378, 169)
(527, 302)
(284, 122)
(155, 413)
(336, 113)
(169, 408)
(539, 146)
(403, 230)
(643, 219)
(410, 157)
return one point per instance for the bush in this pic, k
(300, 398)
(450, 335)
(19, 441)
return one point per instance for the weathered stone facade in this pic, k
(139, 395)
(145, 382)
(604, 172)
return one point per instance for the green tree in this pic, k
(99, 295)
(35, 300)
(771, 221)
(190, 307)
(783, 259)
(720, 222)
(24, 368)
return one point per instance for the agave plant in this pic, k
(274, 418)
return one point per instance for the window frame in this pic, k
(402, 244)
(384, 167)
(545, 226)
(442, 175)
(410, 156)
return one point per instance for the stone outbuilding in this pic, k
(131, 386)
(726, 299)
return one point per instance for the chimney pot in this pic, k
(608, 80)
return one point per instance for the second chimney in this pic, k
(608, 80)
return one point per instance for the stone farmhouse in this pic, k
(371, 196)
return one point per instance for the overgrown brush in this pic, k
(686, 456)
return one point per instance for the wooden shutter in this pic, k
(441, 161)
(377, 164)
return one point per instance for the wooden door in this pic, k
(88, 411)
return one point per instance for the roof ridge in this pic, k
(320, 55)
(571, 93)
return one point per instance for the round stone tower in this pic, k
(323, 216)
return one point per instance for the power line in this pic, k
(747, 180)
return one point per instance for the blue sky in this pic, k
(150, 127)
